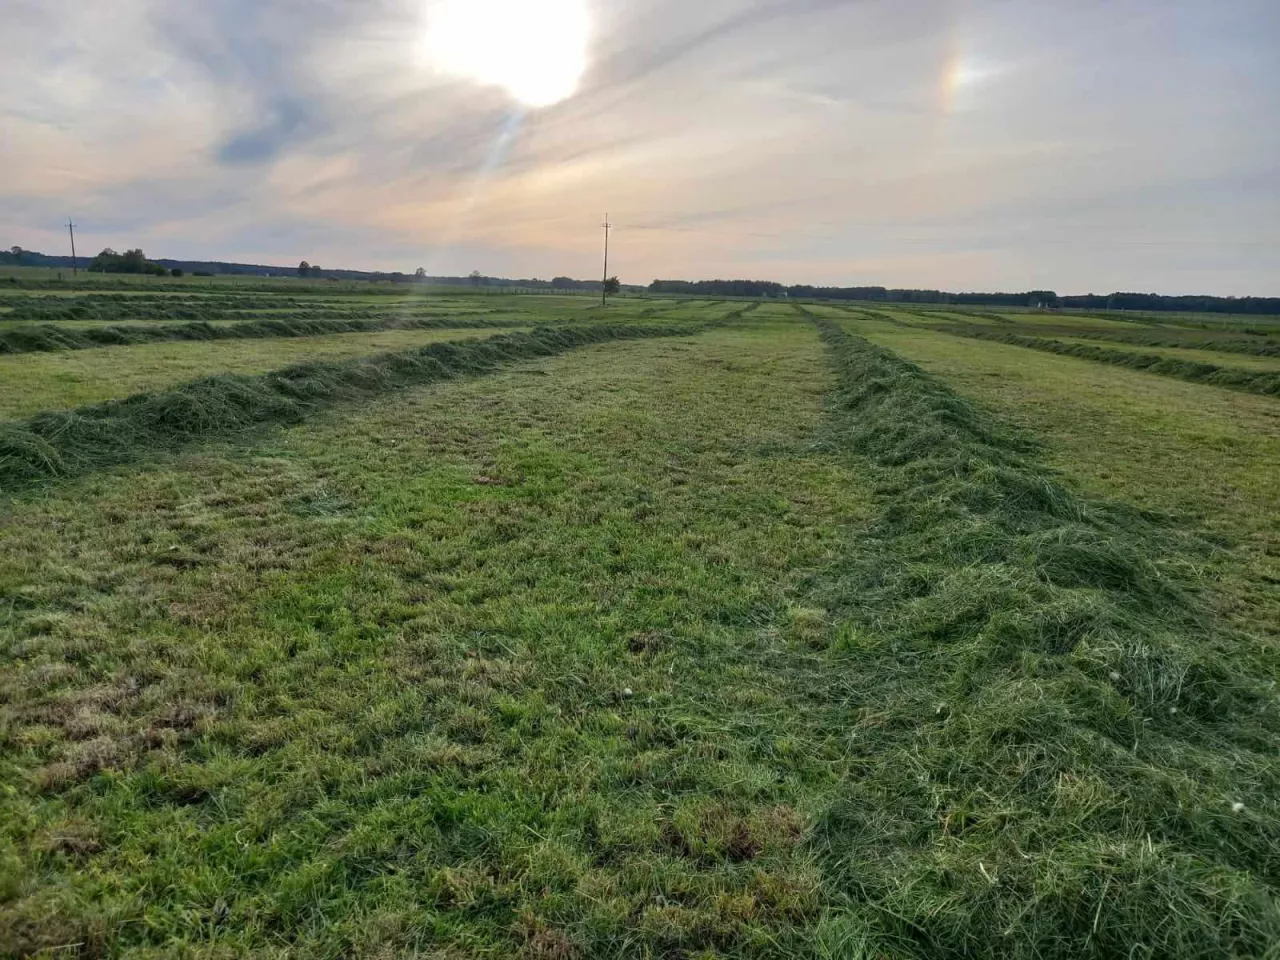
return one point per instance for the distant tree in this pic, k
(17, 254)
(104, 261)
(131, 261)
(421, 273)
(563, 283)
(476, 278)
(176, 272)
(612, 287)
(304, 269)
(316, 271)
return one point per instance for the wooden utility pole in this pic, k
(604, 286)
(71, 228)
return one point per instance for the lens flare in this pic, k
(962, 76)
(536, 50)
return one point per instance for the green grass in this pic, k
(59, 444)
(1264, 357)
(1200, 341)
(367, 690)
(115, 307)
(1133, 327)
(95, 374)
(1209, 456)
(669, 631)
(1249, 379)
(1053, 731)
(1189, 343)
(61, 381)
(52, 338)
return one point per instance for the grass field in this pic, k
(676, 629)
(1197, 355)
(1202, 453)
(63, 380)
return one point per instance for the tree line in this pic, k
(135, 262)
(131, 261)
(1030, 298)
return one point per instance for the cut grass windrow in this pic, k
(1059, 752)
(1250, 381)
(114, 308)
(1254, 347)
(73, 442)
(51, 338)
(107, 307)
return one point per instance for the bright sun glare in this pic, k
(534, 49)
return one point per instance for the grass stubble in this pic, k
(616, 662)
(510, 666)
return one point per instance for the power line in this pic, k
(604, 286)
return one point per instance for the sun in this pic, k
(536, 50)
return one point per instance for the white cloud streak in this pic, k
(1122, 144)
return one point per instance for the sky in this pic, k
(1081, 146)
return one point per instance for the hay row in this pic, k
(1232, 378)
(73, 442)
(1254, 347)
(50, 338)
(1057, 751)
(111, 308)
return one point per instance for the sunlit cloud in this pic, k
(536, 50)
(944, 143)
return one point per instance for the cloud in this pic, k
(805, 140)
(287, 122)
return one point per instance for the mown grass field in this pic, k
(675, 629)
(62, 380)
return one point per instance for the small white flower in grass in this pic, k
(628, 693)
(1173, 709)
(1115, 676)
(1237, 807)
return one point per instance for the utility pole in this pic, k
(604, 286)
(71, 228)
